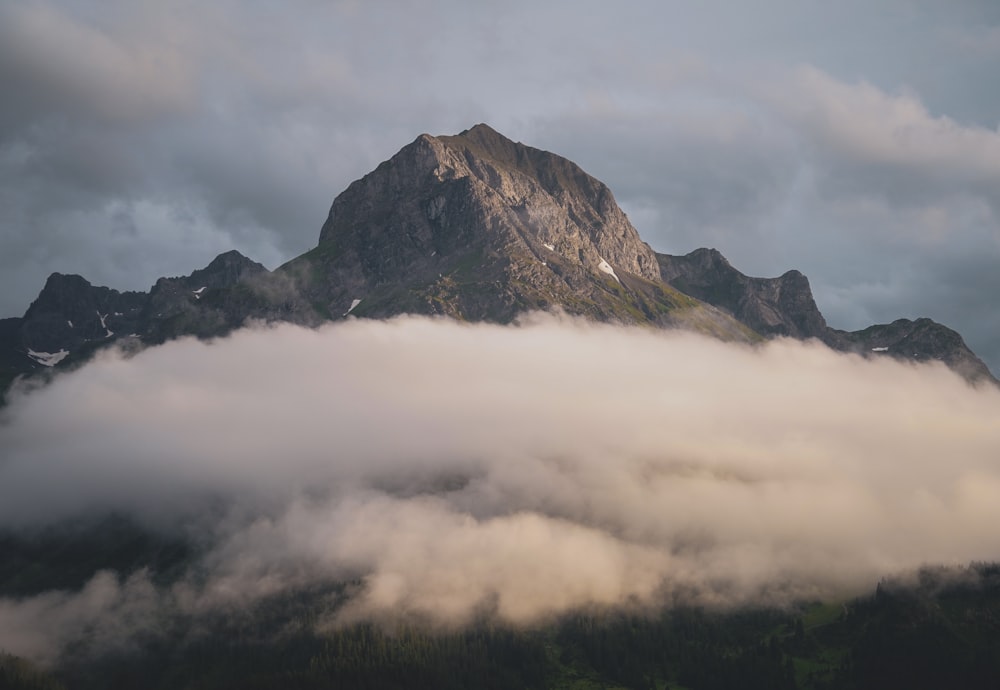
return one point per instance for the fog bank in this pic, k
(459, 470)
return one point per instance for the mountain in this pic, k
(478, 227)
(781, 306)
(472, 226)
(784, 306)
(72, 319)
(918, 340)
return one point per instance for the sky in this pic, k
(857, 143)
(458, 470)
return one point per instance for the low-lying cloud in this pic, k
(459, 470)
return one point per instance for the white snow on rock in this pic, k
(48, 359)
(606, 267)
(354, 303)
(880, 349)
(550, 247)
(197, 293)
(69, 323)
(108, 331)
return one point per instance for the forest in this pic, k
(938, 628)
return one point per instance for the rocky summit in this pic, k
(477, 227)
(784, 306)
(472, 226)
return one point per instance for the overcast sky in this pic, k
(858, 145)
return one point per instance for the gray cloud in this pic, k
(522, 471)
(145, 139)
(106, 613)
(891, 211)
(214, 128)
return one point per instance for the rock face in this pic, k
(473, 226)
(70, 311)
(71, 319)
(219, 298)
(919, 340)
(785, 306)
(478, 227)
(481, 188)
(68, 322)
(770, 306)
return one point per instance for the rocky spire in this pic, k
(480, 227)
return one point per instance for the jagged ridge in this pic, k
(784, 306)
(473, 226)
(478, 227)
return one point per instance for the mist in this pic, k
(454, 471)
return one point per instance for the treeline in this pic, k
(692, 649)
(939, 629)
(687, 647)
(362, 657)
(19, 674)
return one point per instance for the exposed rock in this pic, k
(70, 312)
(71, 319)
(473, 226)
(478, 227)
(785, 306)
(920, 340)
(770, 306)
(219, 298)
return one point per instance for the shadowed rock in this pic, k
(472, 226)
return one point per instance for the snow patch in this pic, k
(550, 247)
(69, 323)
(108, 331)
(880, 349)
(48, 359)
(197, 293)
(606, 267)
(354, 303)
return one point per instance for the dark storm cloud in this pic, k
(199, 128)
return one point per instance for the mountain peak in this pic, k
(485, 142)
(58, 281)
(479, 207)
(227, 268)
(474, 226)
(67, 291)
(771, 306)
(784, 306)
(481, 132)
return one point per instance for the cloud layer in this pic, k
(457, 470)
